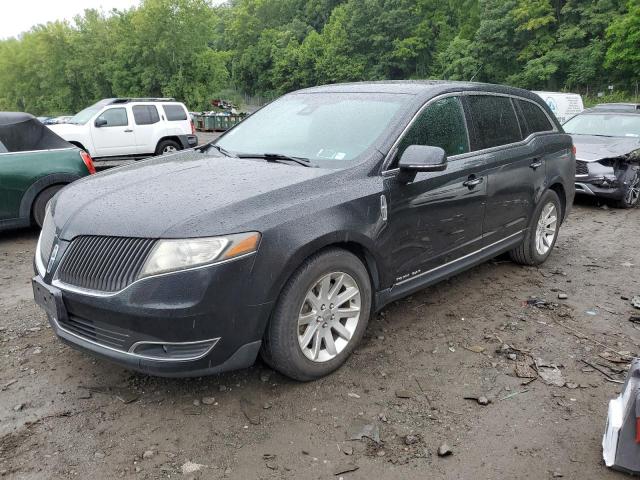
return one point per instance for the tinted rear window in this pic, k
(145, 114)
(494, 121)
(533, 118)
(174, 112)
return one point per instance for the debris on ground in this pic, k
(369, 430)
(523, 369)
(635, 301)
(250, 411)
(208, 400)
(475, 348)
(634, 319)
(345, 468)
(411, 439)
(404, 394)
(444, 450)
(550, 373)
(481, 400)
(562, 296)
(124, 394)
(191, 467)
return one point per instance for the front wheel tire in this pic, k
(542, 233)
(320, 317)
(631, 190)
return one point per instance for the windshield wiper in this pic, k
(222, 150)
(278, 157)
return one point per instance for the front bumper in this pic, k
(598, 180)
(166, 312)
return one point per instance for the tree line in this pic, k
(195, 51)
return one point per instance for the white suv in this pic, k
(135, 127)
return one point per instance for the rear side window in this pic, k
(494, 121)
(441, 124)
(3, 149)
(533, 119)
(174, 112)
(115, 117)
(145, 114)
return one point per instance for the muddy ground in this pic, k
(66, 415)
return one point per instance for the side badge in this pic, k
(383, 208)
(52, 258)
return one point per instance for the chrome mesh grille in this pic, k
(47, 236)
(105, 264)
(581, 168)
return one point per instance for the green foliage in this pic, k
(194, 51)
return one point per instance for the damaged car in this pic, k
(607, 142)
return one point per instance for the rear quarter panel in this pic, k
(21, 171)
(560, 166)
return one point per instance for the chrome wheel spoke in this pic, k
(307, 318)
(336, 287)
(348, 294)
(342, 331)
(308, 334)
(347, 312)
(330, 344)
(315, 348)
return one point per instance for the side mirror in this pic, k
(100, 122)
(420, 158)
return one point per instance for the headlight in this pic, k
(173, 255)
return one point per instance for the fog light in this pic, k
(173, 351)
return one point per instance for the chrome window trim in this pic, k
(389, 157)
(98, 293)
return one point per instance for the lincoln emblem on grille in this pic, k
(52, 258)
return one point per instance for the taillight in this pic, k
(88, 161)
(573, 149)
(638, 430)
(193, 128)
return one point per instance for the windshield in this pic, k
(87, 114)
(610, 125)
(330, 129)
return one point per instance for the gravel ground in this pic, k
(65, 415)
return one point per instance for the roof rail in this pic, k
(127, 100)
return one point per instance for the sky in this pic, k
(18, 16)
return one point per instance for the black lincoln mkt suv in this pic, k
(284, 235)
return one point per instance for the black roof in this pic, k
(11, 118)
(423, 88)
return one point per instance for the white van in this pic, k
(133, 127)
(563, 105)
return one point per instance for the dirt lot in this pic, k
(66, 415)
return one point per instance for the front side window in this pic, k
(605, 124)
(174, 112)
(329, 128)
(145, 114)
(533, 119)
(115, 117)
(494, 121)
(441, 124)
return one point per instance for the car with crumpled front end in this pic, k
(607, 141)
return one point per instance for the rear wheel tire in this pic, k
(167, 146)
(631, 193)
(39, 207)
(305, 341)
(542, 233)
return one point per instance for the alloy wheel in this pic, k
(633, 192)
(169, 149)
(329, 316)
(546, 228)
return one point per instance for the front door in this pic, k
(116, 136)
(436, 218)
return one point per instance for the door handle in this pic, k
(472, 182)
(536, 164)
(128, 130)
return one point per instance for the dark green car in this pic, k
(34, 164)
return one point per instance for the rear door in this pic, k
(437, 217)
(116, 136)
(147, 124)
(515, 167)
